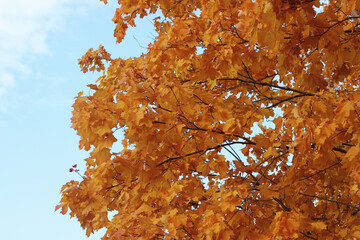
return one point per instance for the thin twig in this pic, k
(320, 171)
(269, 85)
(200, 151)
(329, 200)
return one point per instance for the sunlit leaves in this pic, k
(240, 122)
(92, 60)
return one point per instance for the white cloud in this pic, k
(24, 29)
(6, 80)
(24, 25)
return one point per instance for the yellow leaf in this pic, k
(353, 152)
(229, 126)
(212, 83)
(319, 225)
(180, 220)
(269, 152)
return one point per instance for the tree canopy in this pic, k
(192, 164)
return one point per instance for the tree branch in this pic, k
(200, 151)
(320, 171)
(269, 85)
(285, 100)
(329, 200)
(285, 208)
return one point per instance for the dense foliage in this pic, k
(192, 166)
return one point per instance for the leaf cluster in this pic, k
(192, 166)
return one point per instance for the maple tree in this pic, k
(192, 166)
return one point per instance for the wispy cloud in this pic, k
(24, 29)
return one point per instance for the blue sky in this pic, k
(40, 43)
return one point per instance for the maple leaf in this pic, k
(117, 235)
(250, 138)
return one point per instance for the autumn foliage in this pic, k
(193, 163)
